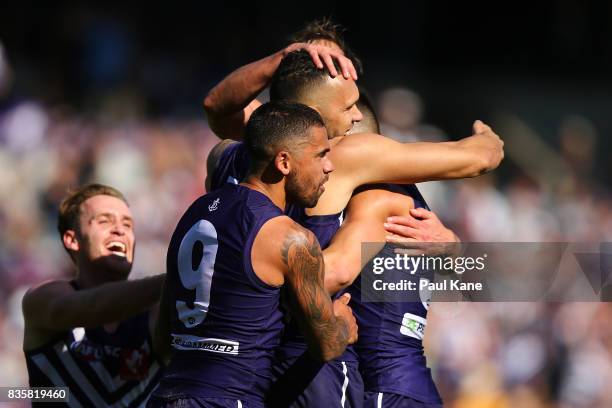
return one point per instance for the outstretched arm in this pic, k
(404, 163)
(56, 306)
(161, 328)
(229, 105)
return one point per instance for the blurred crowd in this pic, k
(482, 355)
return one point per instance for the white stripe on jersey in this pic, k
(138, 390)
(46, 367)
(62, 352)
(113, 384)
(344, 384)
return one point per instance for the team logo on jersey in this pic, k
(413, 326)
(134, 364)
(89, 351)
(214, 205)
(187, 342)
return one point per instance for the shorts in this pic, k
(183, 401)
(389, 400)
(303, 383)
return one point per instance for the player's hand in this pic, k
(343, 311)
(421, 232)
(488, 142)
(323, 57)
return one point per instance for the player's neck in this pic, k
(275, 192)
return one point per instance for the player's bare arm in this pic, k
(407, 163)
(55, 306)
(229, 105)
(368, 158)
(328, 334)
(295, 254)
(161, 327)
(375, 215)
(365, 215)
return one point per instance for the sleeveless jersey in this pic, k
(100, 369)
(232, 167)
(390, 346)
(385, 329)
(225, 321)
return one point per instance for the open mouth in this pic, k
(117, 248)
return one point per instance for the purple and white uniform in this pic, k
(225, 321)
(390, 346)
(389, 352)
(301, 382)
(100, 368)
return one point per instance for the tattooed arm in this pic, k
(328, 326)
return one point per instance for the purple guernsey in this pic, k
(390, 346)
(225, 321)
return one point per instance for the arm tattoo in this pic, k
(302, 255)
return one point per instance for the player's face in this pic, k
(310, 170)
(336, 102)
(106, 234)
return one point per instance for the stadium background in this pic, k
(113, 93)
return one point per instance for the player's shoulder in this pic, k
(359, 139)
(358, 147)
(280, 230)
(50, 286)
(280, 239)
(220, 147)
(41, 294)
(281, 226)
(214, 156)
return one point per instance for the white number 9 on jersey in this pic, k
(199, 244)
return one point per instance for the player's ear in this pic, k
(282, 161)
(70, 240)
